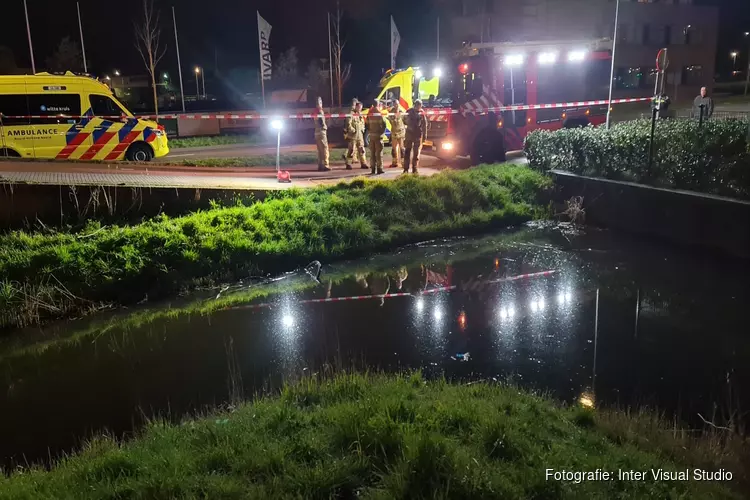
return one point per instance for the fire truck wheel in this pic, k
(488, 148)
(575, 122)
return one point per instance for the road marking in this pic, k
(186, 154)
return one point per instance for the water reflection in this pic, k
(555, 313)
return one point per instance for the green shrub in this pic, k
(714, 158)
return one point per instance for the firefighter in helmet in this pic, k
(321, 137)
(398, 133)
(354, 130)
(375, 124)
(416, 134)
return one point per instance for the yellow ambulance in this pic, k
(70, 117)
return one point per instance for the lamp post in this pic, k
(277, 125)
(747, 71)
(734, 55)
(197, 88)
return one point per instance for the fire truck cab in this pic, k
(459, 93)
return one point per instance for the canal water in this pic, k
(583, 315)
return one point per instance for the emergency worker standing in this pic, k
(416, 133)
(354, 130)
(398, 134)
(321, 138)
(375, 124)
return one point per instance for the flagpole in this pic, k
(28, 32)
(83, 47)
(438, 37)
(179, 64)
(330, 58)
(612, 64)
(392, 61)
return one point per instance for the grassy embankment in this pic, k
(262, 160)
(53, 274)
(375, 436)
(217, 140)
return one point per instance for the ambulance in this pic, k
(72, 117)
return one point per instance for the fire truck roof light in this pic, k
(514, 59)
(547, 57)
(576, 55)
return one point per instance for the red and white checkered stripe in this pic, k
(482, 106)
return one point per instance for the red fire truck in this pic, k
(488, 75)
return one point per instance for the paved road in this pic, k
(122, 174)
(235, 151)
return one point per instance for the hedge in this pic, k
(713, 158)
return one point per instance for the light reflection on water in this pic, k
(614, 324)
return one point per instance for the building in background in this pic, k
(689, 31)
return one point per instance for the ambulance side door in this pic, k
(56, 124)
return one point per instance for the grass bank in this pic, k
(51, 274)
(264, 160)
(218, 140)
(377, 436)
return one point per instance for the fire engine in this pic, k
(461, 92)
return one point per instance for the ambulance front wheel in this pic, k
(8, 153)
(140, 151)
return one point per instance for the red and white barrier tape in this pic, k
(303, 116)
(393, 295)
(353, 298)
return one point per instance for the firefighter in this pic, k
(375, 124)
(398, 131)
(321, 137)
(416, 133)
(354, 130)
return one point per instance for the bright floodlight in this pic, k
(514, 59)
(418, 74)
(547, 57)
(420, 304)
(277, 124)
(438, 314)
(117, 72)
(437, 72)
(576, 55)
(288, 320)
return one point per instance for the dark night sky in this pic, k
(229, 27)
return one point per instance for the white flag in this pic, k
(264, 35)
(395, 40)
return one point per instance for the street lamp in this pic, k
(117, 72)
(277, 125)
(197, 89)
(734, 55)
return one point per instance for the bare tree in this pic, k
(340, 73)
(147, 35)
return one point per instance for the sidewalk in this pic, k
(127, 175)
